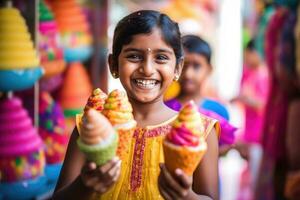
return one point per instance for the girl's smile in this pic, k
(147, 66)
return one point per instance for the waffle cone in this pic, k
(184, 158)
(125, 139)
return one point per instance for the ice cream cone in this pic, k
(184, 146)
(185, 158)
(118, 110)
(98, 140)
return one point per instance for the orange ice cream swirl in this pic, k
(187, 129)
(96, 100)
(117, 108)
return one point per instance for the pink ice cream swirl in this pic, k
(187, 129)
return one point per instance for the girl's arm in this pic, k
(69, 185)
(206, 176)
(203, 185)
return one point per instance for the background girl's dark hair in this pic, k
(143, 22)
(195, 44)
(251, 45)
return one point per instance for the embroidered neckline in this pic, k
(141, 134)
(167, 122)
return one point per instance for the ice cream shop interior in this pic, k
(240, 78)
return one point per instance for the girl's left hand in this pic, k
(173, 187)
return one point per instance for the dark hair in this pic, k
(195, 44)
(251, 45)
(143, 22)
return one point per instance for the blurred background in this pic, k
(53, 53)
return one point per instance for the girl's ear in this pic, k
(178, 68)
(113, 66)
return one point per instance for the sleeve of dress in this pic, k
(78, 121)
(209, 124)
(262, 85)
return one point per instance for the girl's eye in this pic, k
(197, 66)
(162, 58)
(134, 57)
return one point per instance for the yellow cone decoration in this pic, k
(16, 48)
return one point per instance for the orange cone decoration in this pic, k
(74, 29)
(76, 89)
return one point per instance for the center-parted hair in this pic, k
(143, 22)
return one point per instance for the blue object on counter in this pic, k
(21, 79)
(77, 54)
(27, 189)
(52, 172)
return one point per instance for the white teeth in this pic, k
(146, 83)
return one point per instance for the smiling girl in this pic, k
(147, 56)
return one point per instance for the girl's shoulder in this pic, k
(209, 124)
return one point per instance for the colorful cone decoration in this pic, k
(179, 10)
(52, 57)
(185, 146)
(52, 83)
(74, 29)
(16, 48)
(52, 129)
(74, 93)
(18, 59)
(21, 149)
(118, 110)
(76, 89)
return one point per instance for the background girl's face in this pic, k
(146, 67)
(251, 59)
(194, 72)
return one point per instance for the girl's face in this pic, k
(195, 71)
(147, 66)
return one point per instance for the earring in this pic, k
(176, 77)
(115, 75)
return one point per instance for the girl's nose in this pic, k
(147, 67)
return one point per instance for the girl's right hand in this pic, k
(100, 179)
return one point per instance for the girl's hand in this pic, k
(174, 187)
(244, 150)
(100, 179)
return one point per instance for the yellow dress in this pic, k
(140, 168)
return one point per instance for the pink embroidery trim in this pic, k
(140, 135)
